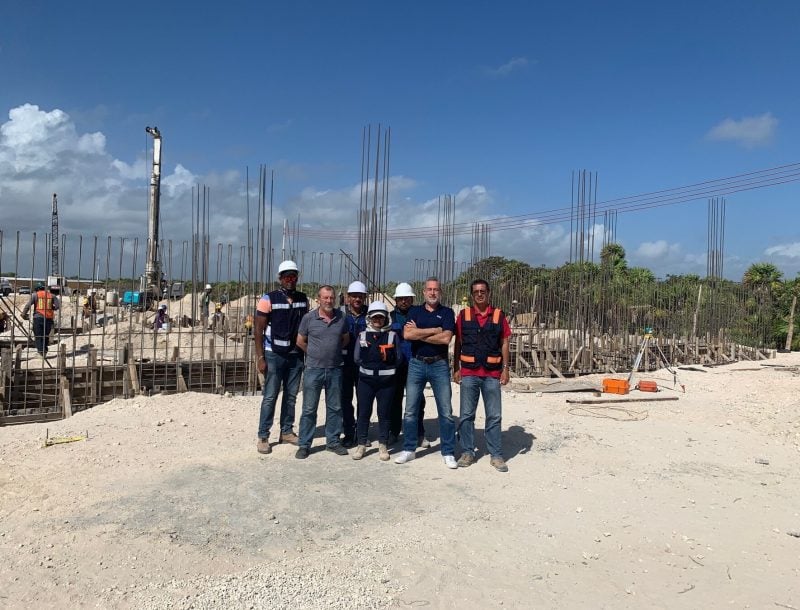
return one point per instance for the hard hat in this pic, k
(287, 266)
(377, 307)
(85, 301)
(403, 290)
(208, 286)
(162, 306)
(357, 288)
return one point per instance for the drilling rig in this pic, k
(151, 281)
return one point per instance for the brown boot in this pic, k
(383, 452)
(359, 452)
(263, 446)
(289, 437)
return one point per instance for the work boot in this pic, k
(383, 452)
(289, 437)
(499, 464)
(337, 449)
(263, 446)
(359, 452)
(301, 453)
(466, 459)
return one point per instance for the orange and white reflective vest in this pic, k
(44, 304)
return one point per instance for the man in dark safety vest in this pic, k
(45, 303)
(481, 366)
(277, 320)
(355, 315)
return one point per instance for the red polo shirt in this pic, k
(481, 319)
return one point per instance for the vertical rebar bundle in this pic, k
(716, 237)
(481, 241)
(373, 210)
(445, 241)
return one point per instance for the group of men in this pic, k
(363, 351)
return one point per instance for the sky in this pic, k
(495, 104)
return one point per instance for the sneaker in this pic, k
(404, 456)
(288, 437)
(466, 459)
(301, 453)
(359, 452)
(337, 449)
(499, 464)
(423, 443)
(450, 461)
(263, 446)
(383, 452)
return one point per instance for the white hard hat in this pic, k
(357, 287)
(377, 307)
(208, 286)
(287, 266)
(403, 290)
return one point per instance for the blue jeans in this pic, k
(285, 370)
(472, 387)
(41, 333)
(314, 380)
(438, 375)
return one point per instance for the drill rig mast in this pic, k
(54, 267)
(150, 283)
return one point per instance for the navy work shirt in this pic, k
(441, 316)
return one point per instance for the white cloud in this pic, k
(513, 65)
(653, 250)
(791, 250)
(749, 131)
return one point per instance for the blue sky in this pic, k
(496, 103)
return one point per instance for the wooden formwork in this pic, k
(45, 394)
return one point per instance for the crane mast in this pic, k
(55, 270)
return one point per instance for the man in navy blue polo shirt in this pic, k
(430, 328)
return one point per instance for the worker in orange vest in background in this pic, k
(45, 303)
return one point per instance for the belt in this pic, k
(429, 359)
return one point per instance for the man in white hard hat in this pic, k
(205, 304)
(403, 299)
(277, 320)
(355, 315)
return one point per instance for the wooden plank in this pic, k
(11, 420)
(606, 401)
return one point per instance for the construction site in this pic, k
(590, 315)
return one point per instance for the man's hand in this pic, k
(505, 376)
(261, 365)
(457, 376)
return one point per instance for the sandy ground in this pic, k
(693, 503)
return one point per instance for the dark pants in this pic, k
(396, 419)
(41, 331)
(380, 390)
(349, 381)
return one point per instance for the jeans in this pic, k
(396, 418)
(282, 370)
(349, 381)
(472, 387)
(41, 333)
(380, 390)
(314, 380)
(438, 375)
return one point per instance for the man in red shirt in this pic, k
(480, 365)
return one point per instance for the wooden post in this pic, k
(790, 332)
(66, 399)
(218, 380)
(179, 380)
(5, 376)
(696, 311)
(92, 377)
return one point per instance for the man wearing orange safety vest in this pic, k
(45, 303)
(481, 366)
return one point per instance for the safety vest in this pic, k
(284, 320)
(480, 345)
(356, 324)
(44, 304)
(378, 353)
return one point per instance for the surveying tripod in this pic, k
(648, 337)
